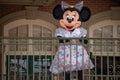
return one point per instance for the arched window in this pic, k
(29, 28)
(106, 29)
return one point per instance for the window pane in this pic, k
(118, 45)
(46, 32)
(108, 31)
(37, 45)
(118, 31)
(97, 45)
(118, 35)
(104, 32)
(18, 44)
(23, 31)
(47, 46)
(48, 43)
(13, 45)
(37, 31)
(13, 32)
(22, 46)
(42, 45)
(97, 33)
(108, 46)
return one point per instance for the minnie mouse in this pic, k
(71, 57)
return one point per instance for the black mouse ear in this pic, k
(85, 14)
(58, 12)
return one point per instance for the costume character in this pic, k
(73, 56)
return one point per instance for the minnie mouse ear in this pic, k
(58, 12)
(85, 14)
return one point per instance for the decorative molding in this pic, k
(99, 17)
(113, 14)
(45, 16)
(25, 14)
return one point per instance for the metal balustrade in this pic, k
(30, 58)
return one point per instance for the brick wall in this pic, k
(96, 6)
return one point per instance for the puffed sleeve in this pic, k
(59, 32)
(83, 32)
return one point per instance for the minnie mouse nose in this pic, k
(69, 20)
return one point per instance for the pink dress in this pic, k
(71, 57)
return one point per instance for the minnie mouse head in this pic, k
(69, 16)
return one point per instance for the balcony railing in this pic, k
(31, 58)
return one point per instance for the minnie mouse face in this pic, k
(71, 17)
(70, 20)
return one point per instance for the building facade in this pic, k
(31, 19)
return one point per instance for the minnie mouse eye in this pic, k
(67, 17)
(73, 17)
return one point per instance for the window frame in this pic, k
(98, 25)
(30, 24)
